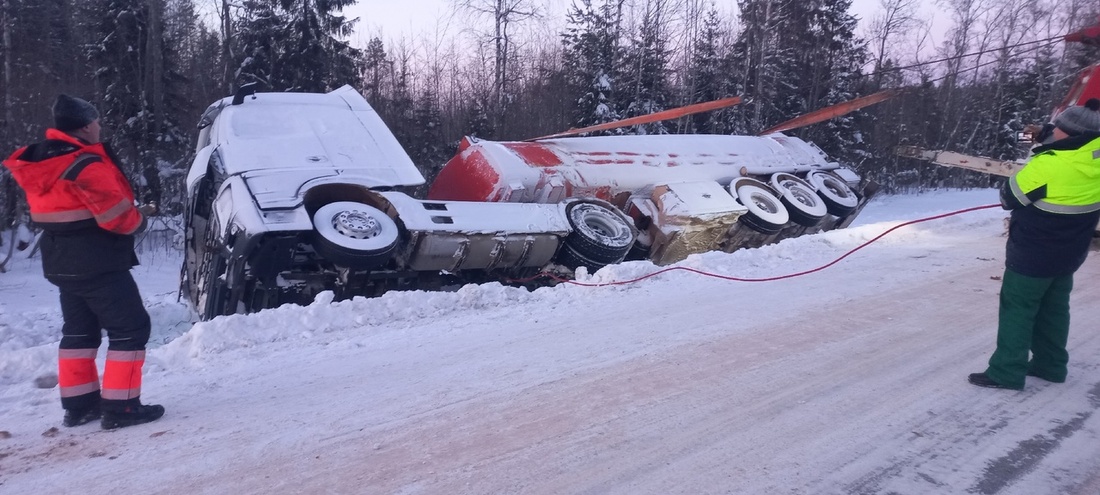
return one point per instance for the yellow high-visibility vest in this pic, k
(1071, 177)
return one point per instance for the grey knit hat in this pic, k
(71, 113)
(1080, 119)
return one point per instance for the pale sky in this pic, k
(397, 18)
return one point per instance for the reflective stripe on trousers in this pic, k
(76, 372)
(122, 375)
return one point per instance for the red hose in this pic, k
(766, 279)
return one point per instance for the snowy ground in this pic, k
(849, 380)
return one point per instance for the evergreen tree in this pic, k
(40, 57)
(478, 122)
(425, 143)
(296, 45)
(400, 106)
(257, 32)
(765, 61)
(139, 90)
(707, 78)
(646, 73)
(376, 68)
(180, 98)
(196, 50)
(834, 56)
(593, 60)
(797, 57)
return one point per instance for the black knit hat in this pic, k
(71, 113)
(1080, 119)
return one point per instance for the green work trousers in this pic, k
(1034, 316)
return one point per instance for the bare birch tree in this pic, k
(504, 14)
(894, 21)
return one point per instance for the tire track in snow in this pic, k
(1028, 454)
(1027, 426)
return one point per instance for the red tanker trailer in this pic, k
(685, 193)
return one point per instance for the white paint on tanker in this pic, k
(636, 163)
(481, 218)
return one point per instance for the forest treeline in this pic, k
(153, 66)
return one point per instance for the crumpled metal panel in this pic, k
(689, 218)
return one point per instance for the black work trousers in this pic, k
(108, 301)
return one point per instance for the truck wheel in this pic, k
(766, 212)
(638, 252)
(599, 234)
(354, 235)
(802, 203)
(568, 257)
(838, 197)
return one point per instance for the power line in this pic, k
(1048, 42)
(991, 62)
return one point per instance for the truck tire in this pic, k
(600, 234)
(354, 235)
(840, 199)
(800, 199)
(568, 257)
(766, 212)
(638, 252)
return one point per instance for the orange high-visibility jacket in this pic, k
(80, 198)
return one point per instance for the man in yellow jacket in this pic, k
(1055, 204)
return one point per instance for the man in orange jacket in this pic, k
(85, 207)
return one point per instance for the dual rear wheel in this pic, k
(600, 237)
(791, 199)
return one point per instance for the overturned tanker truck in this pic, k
(293, 194)
(684, 193)
(281, 209)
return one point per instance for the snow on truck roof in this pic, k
(298, 136)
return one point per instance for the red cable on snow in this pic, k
(766, 279)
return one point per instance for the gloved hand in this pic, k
(148, 209)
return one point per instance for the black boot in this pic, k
(123, 413)
(983, 380)
(77, 417)
(81, 409)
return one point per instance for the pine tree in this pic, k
(478, 122)
(646, 75)
(376, 68)
(797, 57)
(139, 90)
(766, 62)
(400, 105)
(296, 45)
(835, 57)
(707, 78)
(593, 60)
(426, 140)
(257, 31)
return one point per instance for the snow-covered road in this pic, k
(850, 380)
